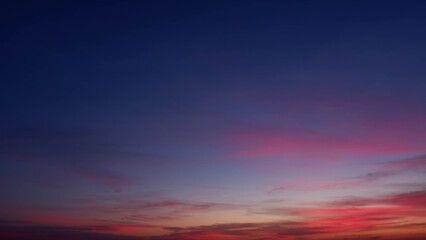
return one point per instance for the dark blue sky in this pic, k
(65, 57)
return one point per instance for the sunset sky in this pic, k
(213, 120)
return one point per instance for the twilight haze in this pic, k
(211, 120)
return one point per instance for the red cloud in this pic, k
(113, 228)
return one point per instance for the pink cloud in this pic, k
(253, 145)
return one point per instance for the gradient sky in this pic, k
(211, 120)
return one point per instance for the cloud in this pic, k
(269, 230)
(267, 145)
(113, 181)
(359, 215)
(374, 176)
(113, 228)
(332, 229)
(388, 170)
(57, 156)
(409, 163)
(316, 185)
(416, 199)
(127, 211)
(311, 185)
(41, 232)
(232, 231)
(349, 218)
(411, 200)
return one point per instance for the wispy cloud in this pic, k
(43, 232)
(409, 163)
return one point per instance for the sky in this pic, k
(213, 120)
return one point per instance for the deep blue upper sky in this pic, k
(67, 57)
